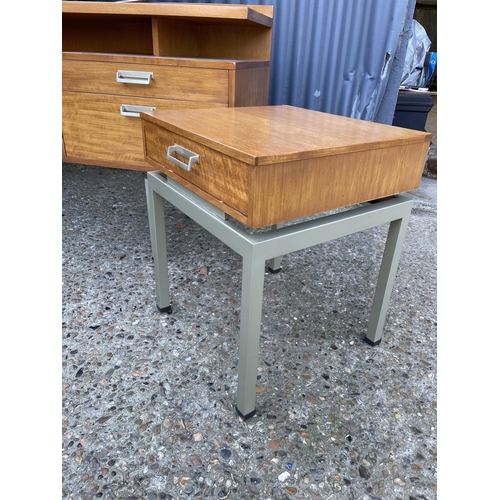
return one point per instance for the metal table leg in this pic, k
(386, 277)
(252, 289)
(156, 216)
(258, 248)
(274, 265)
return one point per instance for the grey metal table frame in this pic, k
(259, 248)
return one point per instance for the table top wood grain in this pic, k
(264, 135)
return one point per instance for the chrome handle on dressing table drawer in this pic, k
(189, 155)
(136, 77)
(131, 110)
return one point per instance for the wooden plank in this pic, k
(251, 86)
(202, 11)
(187, 62)
(155, 33)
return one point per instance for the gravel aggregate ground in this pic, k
(148, 398)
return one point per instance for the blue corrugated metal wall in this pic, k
(338, 56)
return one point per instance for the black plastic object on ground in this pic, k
(412, 109)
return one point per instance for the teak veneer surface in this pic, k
(262, 135)
(98, 113)
(187, 62)
(169, 82)
(256, 14)
(270, 164)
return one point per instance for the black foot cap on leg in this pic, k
(273, 271)
(370, 342)
(167, 309)
(247, 416)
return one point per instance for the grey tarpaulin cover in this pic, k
(418, 46)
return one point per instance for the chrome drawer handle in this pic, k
(136, 77)
(130, 110)
(189, 155)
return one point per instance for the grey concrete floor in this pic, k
(148, 398)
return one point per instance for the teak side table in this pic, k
(241, 140)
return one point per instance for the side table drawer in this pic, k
(219, 178)
(108, 128)
(167, 82)
(281, 163)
